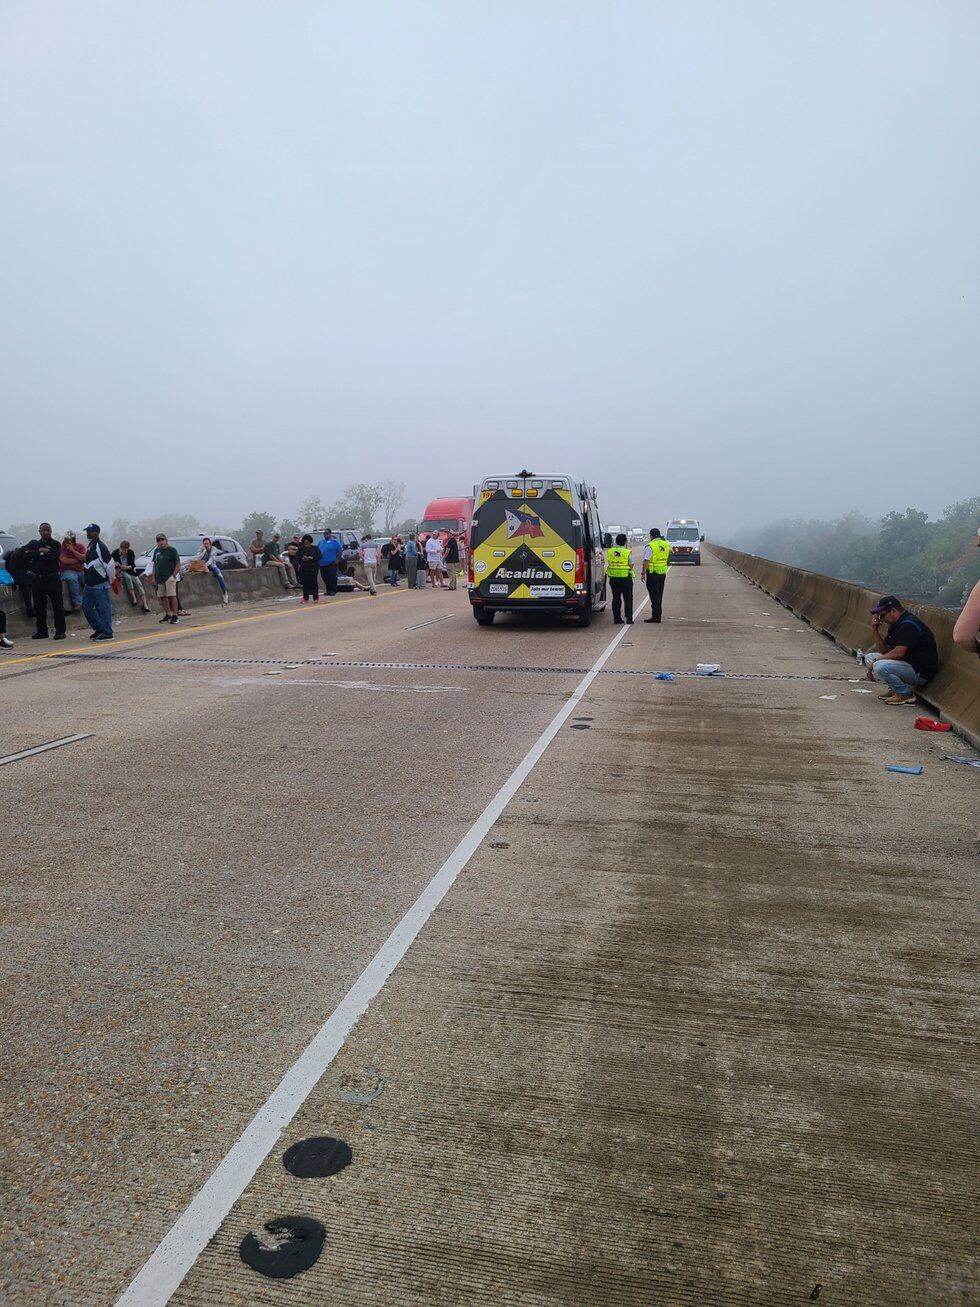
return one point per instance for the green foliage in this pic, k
(255, 522)
(288, 528)
(357, 507)
(312, 514)
(391, 499)
(142, 533)
(935, 562)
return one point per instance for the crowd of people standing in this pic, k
(56, 577)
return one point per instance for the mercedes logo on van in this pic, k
(480, 566)
(568, 565)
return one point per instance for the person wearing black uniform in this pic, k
(451, 559)
(306, 560)
(43, 556)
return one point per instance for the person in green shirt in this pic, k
(165, 562)
(272, 557)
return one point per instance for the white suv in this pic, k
(230, 552)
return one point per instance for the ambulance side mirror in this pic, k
(606, 540)
(702, 539)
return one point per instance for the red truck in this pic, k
(452, 514)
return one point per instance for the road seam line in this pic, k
(172, 634)
(431, 622)
(162, 1274)
(43, 748)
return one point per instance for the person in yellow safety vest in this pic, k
(656, 560)
(619, 570)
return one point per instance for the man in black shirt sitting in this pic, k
(905, 657)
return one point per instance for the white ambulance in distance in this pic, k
(684, 534)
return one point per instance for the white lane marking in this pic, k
(43, 748)
(180, 1248)
(431, 622)
(383, 686)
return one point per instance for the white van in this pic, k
(684, 534)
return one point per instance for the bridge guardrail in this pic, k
(842, 611)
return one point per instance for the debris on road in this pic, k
(906, 771)
(931, 724)
(967, 762)
(708, 669)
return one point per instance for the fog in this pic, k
(718, 259)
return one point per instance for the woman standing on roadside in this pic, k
(307, 564)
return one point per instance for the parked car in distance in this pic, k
(230, 551)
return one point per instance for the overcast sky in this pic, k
(719, 259)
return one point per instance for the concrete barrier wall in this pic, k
(843, 611)
(197, 591)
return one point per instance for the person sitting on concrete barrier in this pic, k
(272, 557)
(905, 657)
(125, 560)
(71, 564)
(207, 555)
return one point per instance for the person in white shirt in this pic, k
(433, 558)
(369, 557)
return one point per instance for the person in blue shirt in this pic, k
(330, 550)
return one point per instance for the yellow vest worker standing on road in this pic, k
(619, 570)
(656, 560)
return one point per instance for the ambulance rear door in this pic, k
(525, 540)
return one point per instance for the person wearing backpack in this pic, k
(98, 576)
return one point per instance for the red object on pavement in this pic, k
(930, 724)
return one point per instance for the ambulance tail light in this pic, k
(580, 567)
(469, 570)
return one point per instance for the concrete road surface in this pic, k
(692, 1025)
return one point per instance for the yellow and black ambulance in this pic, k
(536, 545)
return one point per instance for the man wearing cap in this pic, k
(905, 657)
(96, 579)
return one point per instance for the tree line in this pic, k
(903, 552)
(362, 506)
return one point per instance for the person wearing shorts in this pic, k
(165, 563)
(433, 559)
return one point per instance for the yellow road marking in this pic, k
(172, 634)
